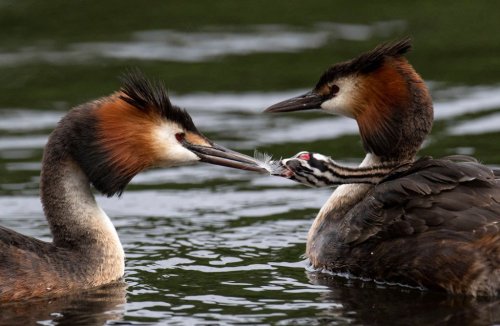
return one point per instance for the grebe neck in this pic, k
(347, 195)
(76, 221)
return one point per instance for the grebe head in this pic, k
(115, 137)
(382, 92)
(307, 168)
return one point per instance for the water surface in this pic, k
(208, 245)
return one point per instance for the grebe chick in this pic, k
(431, 223)
(103, 143)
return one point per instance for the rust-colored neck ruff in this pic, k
(124, 136)
(394, 111)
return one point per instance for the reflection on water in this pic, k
(488, 123)
(375, 305)
(214, 42)
(242, 118)
(100, 305)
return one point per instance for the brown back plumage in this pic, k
(435, 225)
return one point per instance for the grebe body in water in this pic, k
(429, 222)
(103, 143)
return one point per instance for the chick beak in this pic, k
(308, 101)
(219, 155)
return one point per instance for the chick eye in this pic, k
(304, 156)
(180, 137)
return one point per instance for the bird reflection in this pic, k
(93, 307)
(369, 303)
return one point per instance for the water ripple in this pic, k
(225, 115)
(205, 45)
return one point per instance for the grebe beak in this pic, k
(308, 101)
(220, 155)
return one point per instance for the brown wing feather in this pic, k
(451, 195)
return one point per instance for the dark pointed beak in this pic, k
(219, 155)
(308, 101)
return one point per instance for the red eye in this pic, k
(180, 137)
(305, 156)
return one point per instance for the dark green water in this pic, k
(206, 245)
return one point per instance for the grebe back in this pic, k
(429, 222)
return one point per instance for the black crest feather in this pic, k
(145, 94)
(367, 62)
(78, 131)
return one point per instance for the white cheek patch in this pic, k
(170, 151)
(342, 103)
(179, 155)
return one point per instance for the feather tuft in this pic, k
(265, 161)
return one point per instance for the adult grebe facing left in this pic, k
(104, 143)
(428, 222)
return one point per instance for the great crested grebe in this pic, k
(105, 143)
(429, 222)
